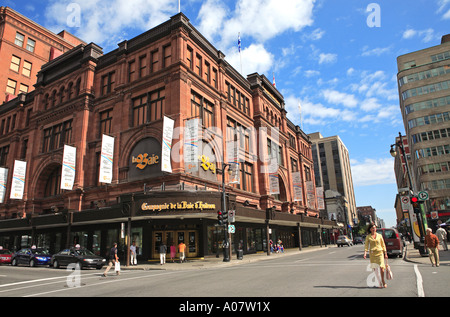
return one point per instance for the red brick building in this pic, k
(169, 71)
(24, 47)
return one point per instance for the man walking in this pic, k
(113, 258)
(162, 253)
(442, 236)
(182, 250)
(432, 244)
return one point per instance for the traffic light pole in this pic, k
(226, 243)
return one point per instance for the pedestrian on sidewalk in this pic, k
(377, 252)
(113, 258)
(162, 253)
(442, 236)
(173, 252)
(133, 260)
(182, 250)
(432, 245)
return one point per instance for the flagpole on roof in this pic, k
(239, 48)
(301, 119)
(179, 6)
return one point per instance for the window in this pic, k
(294, 165)
(4, 155)
(53, 185)
(56, 136)
(15, 63)
(190, 58)
(208, 72)
(11, 86)
(142, 66)
(31, 44)
(203, 109)
(131, 71)
(198, 65)
(167, 55)
(26, 70)
(108, 81)
(246, 177)
(214, 78)
(20, 38)
(105, 121)
(307, 173)
(153, 61)
(148, 107)
(23, 89)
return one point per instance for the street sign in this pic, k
(231, 214)
(405, 199)
(231, 229)
(423, 195)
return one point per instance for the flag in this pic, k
(273, 74)
(239, 42)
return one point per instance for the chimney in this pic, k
(445, 39)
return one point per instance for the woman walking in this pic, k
(377, 251)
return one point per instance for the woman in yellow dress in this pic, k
(377, 251)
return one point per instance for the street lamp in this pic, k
(420, 222)
(226, 244)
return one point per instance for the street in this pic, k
(328, 272)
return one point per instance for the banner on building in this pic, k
(166, 165)
(320, 198)
(18, 180)
(310, 194)
(233, 155)
(68, 167)
(297, 182)
(106, 159)
(3, 181)
(192, 147)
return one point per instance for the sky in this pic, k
(334, 61)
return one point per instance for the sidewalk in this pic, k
(413, 255)
(214, 262)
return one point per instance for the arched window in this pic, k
(53, 184)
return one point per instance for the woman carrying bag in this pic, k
(377, 251)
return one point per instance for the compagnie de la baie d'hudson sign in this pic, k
(183, 205)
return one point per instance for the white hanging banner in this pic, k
(191, 150)
(106, 159)
(68, 167)
(18, 180)
(298, 190)
(3, 181)
(166, 165)
(320, 198)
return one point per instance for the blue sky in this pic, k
(324, 55)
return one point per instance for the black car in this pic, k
(31, 256)
(81, 256)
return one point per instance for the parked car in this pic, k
(357, 240)
(343, 240)
(31, 256)
(82, 256)
(394, 244)
(5, 256)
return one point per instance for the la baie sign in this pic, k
(183, 205)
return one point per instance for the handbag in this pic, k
(117, 266)
(389, 274)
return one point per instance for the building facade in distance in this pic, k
(24, 47)
(424, 89)
(169, 74)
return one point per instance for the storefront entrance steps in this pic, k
(214, 262)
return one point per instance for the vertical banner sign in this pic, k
(68, 167)
(168, 124)
(310, 194)
(3, 181)
(298, 192)
(320, 198)
(191, 150)
(18, 181)
(106, 159)
(233, 155)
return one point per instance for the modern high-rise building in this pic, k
(24, 47)
(332, 172)
(424, 89)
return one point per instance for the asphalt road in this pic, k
(333, 272)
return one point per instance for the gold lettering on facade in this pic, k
(143, 160)
(206, 165)
(183, 205)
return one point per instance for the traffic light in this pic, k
(225, 217)
(416, 202)
(220, 217)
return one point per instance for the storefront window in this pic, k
(96, 238)
(79, 238)
(136, 236)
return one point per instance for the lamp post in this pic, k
(226, 243)
(420, 221)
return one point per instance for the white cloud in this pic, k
(255, 58)
(327, 58)
(373, 171)
(339, 98)
(426, 35)
(375, 51)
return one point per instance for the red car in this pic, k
(393, 242)
(5, 256)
